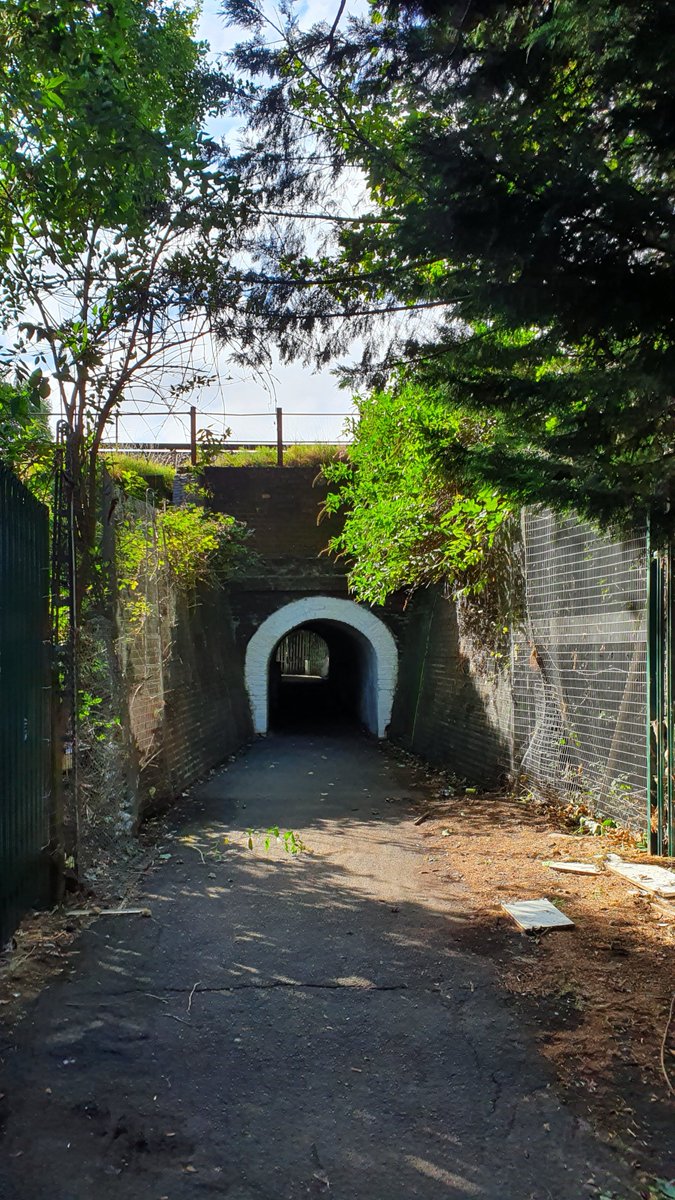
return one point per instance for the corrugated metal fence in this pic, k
(303, 652)
(24, 701)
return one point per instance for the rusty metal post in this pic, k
(193, 435)
(280, 437)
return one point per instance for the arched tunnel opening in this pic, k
(352, 674)
(322, 678)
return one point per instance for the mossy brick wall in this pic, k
(447, 708)
(188, 708)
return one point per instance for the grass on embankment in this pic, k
(135, 475)
(309, 455)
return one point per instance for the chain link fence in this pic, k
(578, 667)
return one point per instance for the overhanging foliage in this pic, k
(405, 524)
(519, 164)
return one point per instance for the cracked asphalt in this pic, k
(289, 1026)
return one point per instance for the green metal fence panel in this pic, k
(660, 709)
(24, 702)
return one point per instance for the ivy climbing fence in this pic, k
(147, 615)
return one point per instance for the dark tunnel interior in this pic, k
(316, 679)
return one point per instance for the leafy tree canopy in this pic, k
(25, 438)
(97, 107)
(519, 167)
(122, 217)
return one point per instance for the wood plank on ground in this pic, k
(574, 868)
(650, 879)
(109, 912)
(533, 915)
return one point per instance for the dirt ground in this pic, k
(599, 995)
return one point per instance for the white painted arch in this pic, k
(377, 643)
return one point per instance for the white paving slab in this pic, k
(531, 915)
(651, 879)
(574, 868)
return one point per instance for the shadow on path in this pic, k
(288, 1027)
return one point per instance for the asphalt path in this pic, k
(286, 1026)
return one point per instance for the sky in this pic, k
(237, 400)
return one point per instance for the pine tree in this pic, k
(519, 162)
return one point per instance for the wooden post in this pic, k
(193, 435)
(280, 437)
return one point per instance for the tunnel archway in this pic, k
(352, 630)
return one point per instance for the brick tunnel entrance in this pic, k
(321, 661)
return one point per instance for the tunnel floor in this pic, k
(307, 705)
(288, 1027)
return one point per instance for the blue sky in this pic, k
(236, 397)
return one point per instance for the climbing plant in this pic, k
(186, 545)
(405, 523)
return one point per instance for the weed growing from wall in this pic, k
(188, 544)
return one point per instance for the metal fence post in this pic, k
(649, 670)
(667, 826)
(660, 723)
(193, 435)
